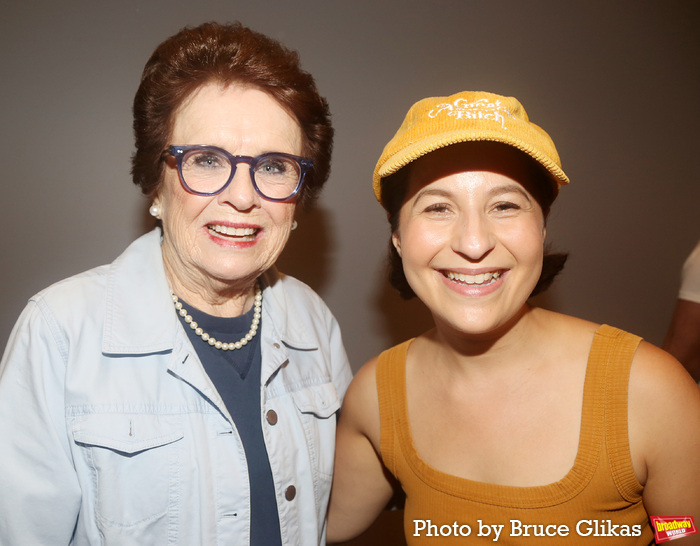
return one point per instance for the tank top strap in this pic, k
(391, 392)
(615, 351)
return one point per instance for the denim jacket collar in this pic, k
(139, 312)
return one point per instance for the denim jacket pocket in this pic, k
(135, 460)
(321, 400)
(318, 405)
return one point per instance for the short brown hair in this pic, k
(225, 54)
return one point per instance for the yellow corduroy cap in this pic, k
(469, 116)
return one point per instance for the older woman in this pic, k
(506, 421)
(186, 393)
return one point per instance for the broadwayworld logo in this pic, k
(666, 529)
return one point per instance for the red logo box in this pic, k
(666, 529)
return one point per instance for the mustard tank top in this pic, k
(598, 501)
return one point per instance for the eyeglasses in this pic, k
(207, 170)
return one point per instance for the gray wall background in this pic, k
(615, 82)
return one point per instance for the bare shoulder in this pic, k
(575, 328)
(664, 411)
(664, 432)
(566, 337)
(363, 388)
(661, 379)
(361, 484)
(361, 404)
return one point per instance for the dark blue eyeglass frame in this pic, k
(179, 152)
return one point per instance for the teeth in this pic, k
(233, 232)
(481, 278)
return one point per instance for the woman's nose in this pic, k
(473, 238)
(240, 192)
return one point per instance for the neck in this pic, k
(212, 296)
(512, 344)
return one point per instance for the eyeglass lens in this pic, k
(207, 171)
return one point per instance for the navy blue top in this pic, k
(236, 376)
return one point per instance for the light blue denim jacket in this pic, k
(111, 432)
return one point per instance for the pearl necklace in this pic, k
(215, 342)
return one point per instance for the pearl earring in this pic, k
(294, 225)
(155, 211)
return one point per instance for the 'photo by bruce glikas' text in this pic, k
(516, 528)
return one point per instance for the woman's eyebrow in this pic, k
(509, 188)
(492, 192)
(429, 192)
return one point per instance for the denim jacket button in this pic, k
(271, 417)
(290, 493)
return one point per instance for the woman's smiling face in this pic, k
(228, 239)
(471, 236)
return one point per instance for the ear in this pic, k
(396, 241)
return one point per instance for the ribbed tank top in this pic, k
(598, 497)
